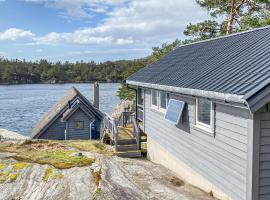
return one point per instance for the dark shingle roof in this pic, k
(60, 107)
(235, 64)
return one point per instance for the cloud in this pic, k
(80, 8)
(15, 34)
(139, 21)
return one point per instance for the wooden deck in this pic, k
(123, 134)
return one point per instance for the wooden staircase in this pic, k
(123, 134)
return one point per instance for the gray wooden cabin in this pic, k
(72, 117)
(222, 142)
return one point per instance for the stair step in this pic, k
(129, 154)
(126, 141)
(127, 147)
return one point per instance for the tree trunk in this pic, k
(231, 18)
(234, 12)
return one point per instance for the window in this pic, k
(204, 114)
(162, 100)
(79, 124)
(159, 100)
(154, 98)
(140, 96)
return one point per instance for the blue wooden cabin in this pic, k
(72, 117)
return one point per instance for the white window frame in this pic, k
(155, 106)
(159, 102)
(158, 107)
(201, 125)
(142, 90)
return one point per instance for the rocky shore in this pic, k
(10, 135)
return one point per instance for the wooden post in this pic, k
(96, 95)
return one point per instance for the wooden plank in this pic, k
(265, 141)
(265, 132)
(231, 127)
(233, 135)
(198, 139)
(239, 121)
(265, 124)
(265, 149)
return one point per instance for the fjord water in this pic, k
(21, 106)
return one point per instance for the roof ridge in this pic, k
(224, 36)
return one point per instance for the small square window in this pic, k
(79, 124)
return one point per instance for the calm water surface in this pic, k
(21, 106)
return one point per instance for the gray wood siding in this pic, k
(75, 134)
(264, 157)
(221, 159)
(55, 132)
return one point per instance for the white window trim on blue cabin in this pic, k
(154, 106)
(143, 91)
(158, 107)
(201, 125)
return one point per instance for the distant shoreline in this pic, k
(58, 83)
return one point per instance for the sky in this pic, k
(98, 30)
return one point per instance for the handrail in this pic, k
(136, 131)
(109, 123)
(125, 118)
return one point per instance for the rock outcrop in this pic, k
(109, 178)
(10, 135)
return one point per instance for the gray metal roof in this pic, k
(238, 64)
(60, 107)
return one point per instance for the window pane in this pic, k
(154, 97)
(79, 124)
(163, 100)
(140, 96)
(204, 111)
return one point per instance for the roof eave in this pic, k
(193, 92)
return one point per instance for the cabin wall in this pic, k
(262, 164)
(216, 163)
(72, 132)
(55, 132)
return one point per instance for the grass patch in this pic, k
(20, 165)
(47, 174)
(58, 159)
(90, 146)
(51, 174)
(3, 166)
(13, 177)
(45, 152)
(57, 175)
(98, 191)
(4, 176)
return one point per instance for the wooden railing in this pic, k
(136, 131)
(125, 118)
(109, 125)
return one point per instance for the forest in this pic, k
(43, 71)
(225, 17)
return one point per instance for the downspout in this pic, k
(136, 98)
(91, 130)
